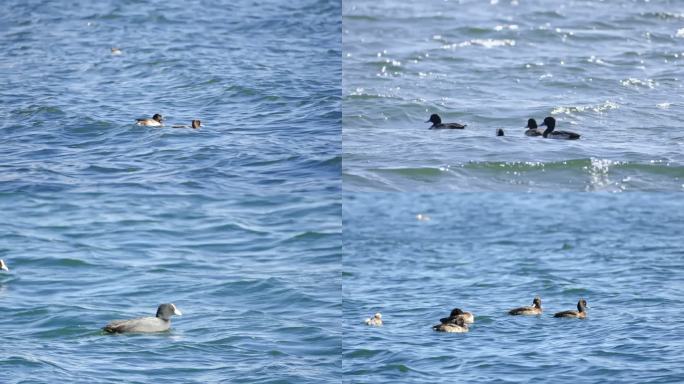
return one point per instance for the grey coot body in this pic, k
(3, 266)
(160, 323)
(437, 123)
(580, 313)
(534, 309)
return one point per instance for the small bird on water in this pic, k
(437, 123)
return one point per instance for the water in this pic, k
(488, 253)
(237, 223)
(609, 71)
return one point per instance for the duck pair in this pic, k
(536, 309)
(457, 322)
(158, 121)
(550, 132)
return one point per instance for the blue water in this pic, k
(237, 223)
(610, 71)
(487, 253)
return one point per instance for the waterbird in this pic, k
(458, 325)
(534, 309)
(195, 125)
(580, 313)
(375, 321)
(551, 133)
(532, 128)
(468, 317)
(437, 123)
(155, 121)
(160, 323)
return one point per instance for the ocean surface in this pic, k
(487, 253)
(237, 223)
(610, 71)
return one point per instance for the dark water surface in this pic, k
(611, 71)
(491, 252)
(237, 223)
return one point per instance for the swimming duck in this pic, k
(549, 133)
(532, 128)
(534, 309)
(375, 321)
(499, 132)
(116, 51)
(195, 125)
(437, 123)
(155, 121)
(457, 312)
(160, 323)
(458, 325)
(580, 313)
(3, 266)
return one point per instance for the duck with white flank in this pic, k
(155, 121)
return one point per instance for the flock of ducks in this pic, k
(158, 121)
(159, 323)
(458, 320)
(532, 128)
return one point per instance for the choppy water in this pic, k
(237, 223)
(491, 252)
(611, 71)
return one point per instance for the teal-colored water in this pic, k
(609, 71)
(491, 252)
(237, 223)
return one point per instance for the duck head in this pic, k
(434, 119)
(550, 124)
(531, 124)
(582, 305)
(157, 117)
(165, 311)
(196, 124)
(537, 302)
